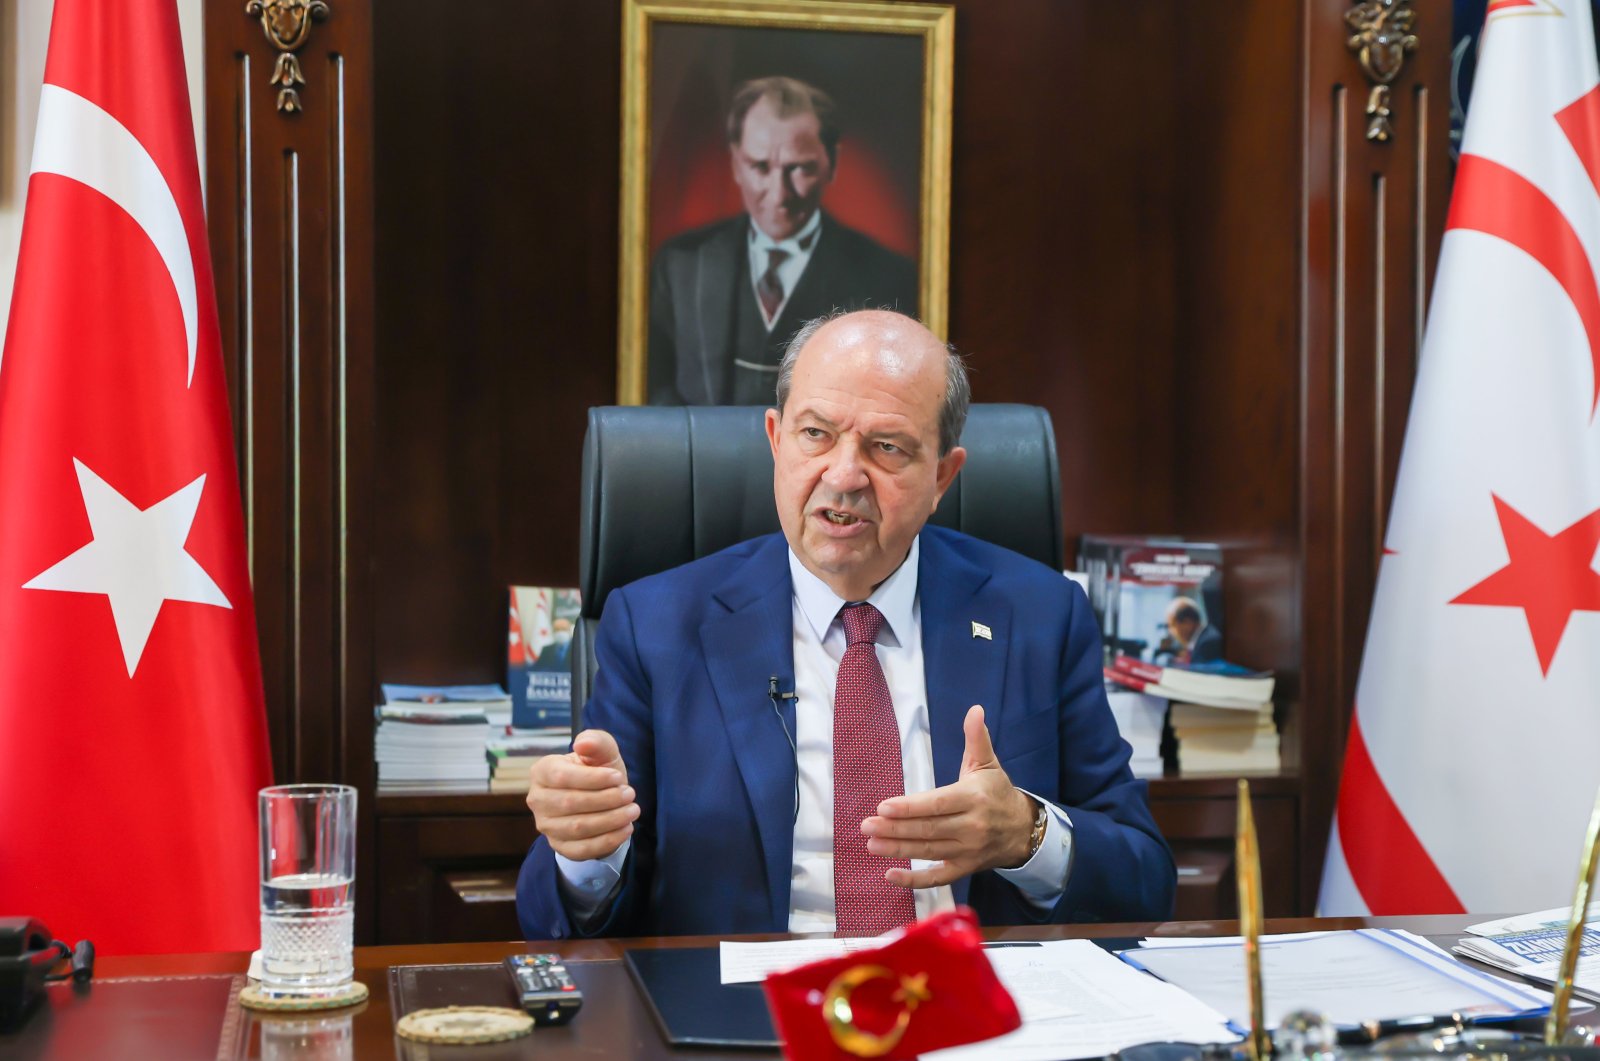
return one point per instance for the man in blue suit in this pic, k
(705, 799)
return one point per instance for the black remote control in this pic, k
(544, 987)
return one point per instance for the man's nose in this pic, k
(846, 472)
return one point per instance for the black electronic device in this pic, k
(27, 955)
(544, 987)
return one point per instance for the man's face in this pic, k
(1183, 629)
(781, 168)
(856, 466)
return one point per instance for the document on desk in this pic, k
(1078, 1001)
(1353, 977)
(1531, 945)
(750, 963)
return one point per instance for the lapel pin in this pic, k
(979, 630)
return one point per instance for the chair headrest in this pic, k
(664, 486)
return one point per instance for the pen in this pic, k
(1373, 1030)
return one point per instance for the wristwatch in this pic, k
(1041, 821)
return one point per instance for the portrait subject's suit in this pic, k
(1207, 647)
(704, 315)
(685, 659)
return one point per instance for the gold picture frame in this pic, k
(912, 34)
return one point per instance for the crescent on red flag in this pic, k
(1500, 202)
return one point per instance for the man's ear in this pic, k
(945, 472)
(774, 420)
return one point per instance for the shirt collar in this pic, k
(797, 244)
(895, 597)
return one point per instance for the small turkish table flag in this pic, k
(925, 989)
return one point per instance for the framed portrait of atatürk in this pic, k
(781, 159)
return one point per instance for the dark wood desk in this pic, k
(184, 1005)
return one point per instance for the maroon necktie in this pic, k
(866, 771)
(769, 288)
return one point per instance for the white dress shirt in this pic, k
(819, 644)
(800, 246)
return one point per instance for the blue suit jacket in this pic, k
(684, 661)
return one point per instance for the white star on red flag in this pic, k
(136, 559)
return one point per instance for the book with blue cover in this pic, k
(539, 665)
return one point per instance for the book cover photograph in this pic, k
(1158, 599)
(539, 644)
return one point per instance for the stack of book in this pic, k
(432, 738)
(511, 756)
(1140, 717)
(1221, 713)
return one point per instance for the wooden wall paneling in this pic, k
(288, 198)
(496, 137)
(1064, 271)
(1236, 411)
(1374, 215)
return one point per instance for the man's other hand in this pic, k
(980, 822)
(581, 801)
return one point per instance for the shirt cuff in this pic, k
(588, 887)
(1043, 878)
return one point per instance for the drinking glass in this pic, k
(308, 869)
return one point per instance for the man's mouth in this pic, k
(843, 519)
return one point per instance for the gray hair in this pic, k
(957, 387)
(790, 96)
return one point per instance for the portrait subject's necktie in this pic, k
(769, 289)
(866, 771)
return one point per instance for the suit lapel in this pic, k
(960, 667)
(716, 279)
(744, 647)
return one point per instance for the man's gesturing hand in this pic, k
(582, 801)
(978, 823)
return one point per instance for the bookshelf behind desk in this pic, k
(447, 866)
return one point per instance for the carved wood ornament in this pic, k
(287, 24)
(1381, 37)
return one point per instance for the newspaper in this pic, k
(1530, 945)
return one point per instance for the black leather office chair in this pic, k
(663, 486)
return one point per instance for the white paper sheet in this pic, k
(750, 963)
(1372, 974)
(1113, 1005)
(1151, 942)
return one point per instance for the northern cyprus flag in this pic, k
(1474, 749)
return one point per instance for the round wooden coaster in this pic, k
(348, 995)
(464, 1024)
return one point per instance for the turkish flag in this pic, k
(132, 726)
(929, 987)
(1471, 765)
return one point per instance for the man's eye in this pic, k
(889, 447)
(812, 432)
